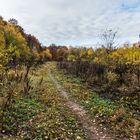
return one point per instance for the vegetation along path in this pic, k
(93, 130)
(100, 117)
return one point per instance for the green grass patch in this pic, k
(43, 115)
(20, 112)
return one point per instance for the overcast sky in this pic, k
(74, 22)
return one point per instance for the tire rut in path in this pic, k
(93, 131)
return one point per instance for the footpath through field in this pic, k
(90, 126)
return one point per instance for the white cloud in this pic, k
(74, 21)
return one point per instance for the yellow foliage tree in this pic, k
(90, 53)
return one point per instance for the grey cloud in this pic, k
(74, 21)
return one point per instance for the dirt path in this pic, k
(91, 128)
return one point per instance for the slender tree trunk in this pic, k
(26, 81)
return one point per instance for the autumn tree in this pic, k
(62, 53)
(90, 53)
